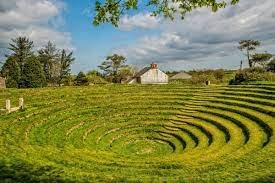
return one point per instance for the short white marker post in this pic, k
(21, 103)
(8, 105)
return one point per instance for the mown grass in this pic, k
(121, 133)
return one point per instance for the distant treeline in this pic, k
(51, 66)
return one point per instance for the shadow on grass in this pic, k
(22, 172)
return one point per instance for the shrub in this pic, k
(69, 80)
(219, 74)
(200, 77)
(252, 74)
(81, 79)
(94, 79)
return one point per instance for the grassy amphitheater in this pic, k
(119, 133)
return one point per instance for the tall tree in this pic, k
(109, 11)
(247, 46)
(66, 60)
(261, 59)
(33, 74)
(49, 58)
(21, 48)
(112, 64)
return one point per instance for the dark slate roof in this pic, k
(140, 73)
(144, 70)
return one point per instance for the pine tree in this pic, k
(66, 61)
(48, 57)
(33, 74)
(21, 48)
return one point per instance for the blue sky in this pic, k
(203, 40)
(93, 43)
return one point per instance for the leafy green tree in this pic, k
(112, 65)
(66, 60)
(271, 66)
(21, 48)
(109, 11)
(11, 71)
(33, 74)
(247, 46)
(81, 79)
(125, 73)
(261, 59)
(49, 58)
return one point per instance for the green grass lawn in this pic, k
(137, 133)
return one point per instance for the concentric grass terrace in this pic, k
(140, 133)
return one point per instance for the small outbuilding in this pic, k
(2, 82)
(181, 75)
(149, 75)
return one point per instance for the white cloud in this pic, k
(141, 20)
(28, 12)
(37, 19)
(206, 38)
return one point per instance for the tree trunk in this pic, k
(248, 58)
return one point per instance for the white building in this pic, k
(150, 75)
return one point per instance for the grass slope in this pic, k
(139, 134)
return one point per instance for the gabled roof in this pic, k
(139, 74)
(143, 71)
(181, 75)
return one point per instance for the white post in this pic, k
(8, 105)
(21, 103)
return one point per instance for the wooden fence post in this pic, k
(8, 105)
(21, 103)
(208, 83)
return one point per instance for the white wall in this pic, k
(154, 76)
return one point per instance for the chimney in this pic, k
(154, 66)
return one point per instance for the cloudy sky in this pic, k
(203, 40)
